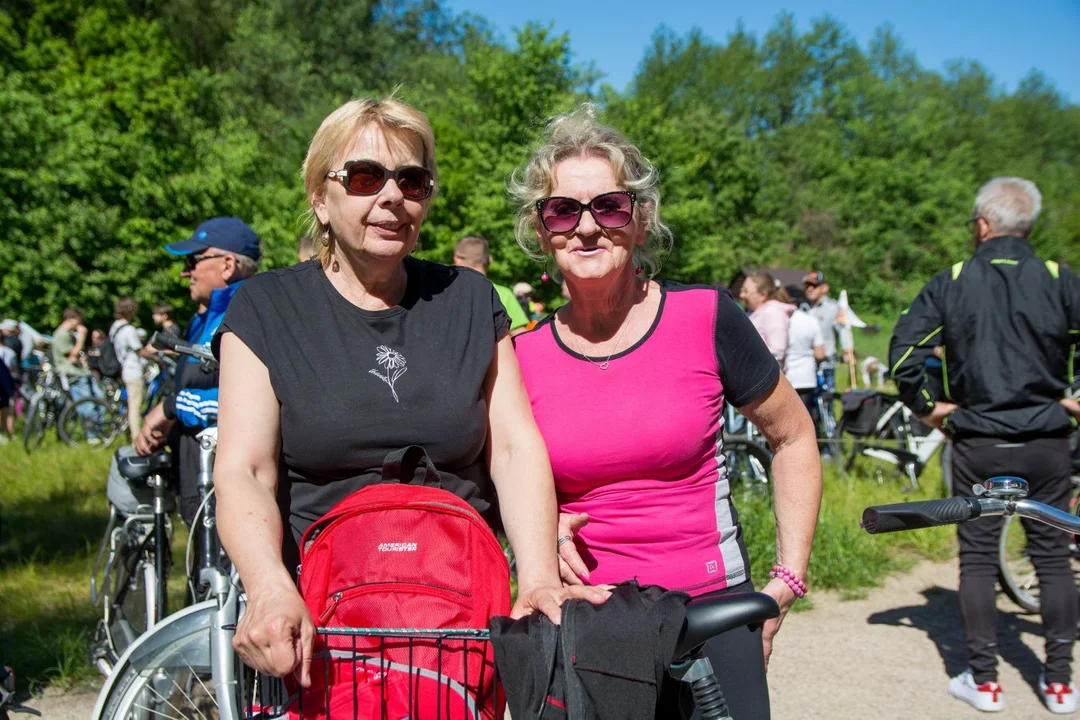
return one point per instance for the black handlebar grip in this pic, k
(165, 341)
(922, 514)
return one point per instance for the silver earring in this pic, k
(326, 238)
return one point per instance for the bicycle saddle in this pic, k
(134, 467)
(708, 617)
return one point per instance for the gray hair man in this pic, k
(1003, 323)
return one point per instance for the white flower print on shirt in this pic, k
(394, 364)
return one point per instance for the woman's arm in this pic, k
(275, 634)
(521, 472)
(80, 333)
(796, 469)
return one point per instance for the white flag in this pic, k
(850, 319)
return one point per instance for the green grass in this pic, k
(53, 512)
(845, 558)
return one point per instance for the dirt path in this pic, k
(889, 656)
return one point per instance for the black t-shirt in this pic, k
(355, 385)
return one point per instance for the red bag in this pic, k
(402, 556)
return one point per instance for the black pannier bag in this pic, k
(862, 408)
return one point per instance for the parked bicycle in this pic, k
(50, 396)
(105, 416)
(185, 665)
(881, 427)
(134, 557)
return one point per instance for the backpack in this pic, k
(108, 362)
(862, 410)
(402, 556)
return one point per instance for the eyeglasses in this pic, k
(969, 224)
(611, 210)
(190, 261)
(367, 177)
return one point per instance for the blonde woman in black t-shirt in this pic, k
(330, 364)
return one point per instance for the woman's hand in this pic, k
(549, 600)
(276, 634)
(572, 568)
(785, 598)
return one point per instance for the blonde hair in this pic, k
(580, 134)
(401, 123)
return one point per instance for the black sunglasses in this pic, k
(190, 261)
(367, 177)
(611, 210)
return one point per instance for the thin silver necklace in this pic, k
(618, 338)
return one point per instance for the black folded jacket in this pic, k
(604, 661)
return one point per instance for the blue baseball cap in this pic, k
(227, 233)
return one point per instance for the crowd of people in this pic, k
(802, 337)
(75, 352)
(589, 435)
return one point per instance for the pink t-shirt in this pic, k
(638, 446)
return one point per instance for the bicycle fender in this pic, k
(178, 625)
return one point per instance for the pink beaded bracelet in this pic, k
(793, 581)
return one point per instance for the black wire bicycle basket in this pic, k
(389, 674)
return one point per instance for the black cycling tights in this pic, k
(1045, 464)
(738, 660)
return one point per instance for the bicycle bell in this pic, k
(1005, 487)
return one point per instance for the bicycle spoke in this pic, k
(188, 697)
(205, 689)
(151, 688)
(159, 714)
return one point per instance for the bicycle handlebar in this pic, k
(166, 341)
(951, 511)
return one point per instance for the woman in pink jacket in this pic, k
(770, 311)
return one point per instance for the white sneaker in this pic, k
(93, 441)
(1059, 698)
(988, 697)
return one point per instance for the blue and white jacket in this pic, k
(195, 400)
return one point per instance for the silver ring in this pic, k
(563, 539)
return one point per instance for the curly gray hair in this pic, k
(580, 134)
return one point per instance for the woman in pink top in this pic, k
(628, 383)
(770, 311)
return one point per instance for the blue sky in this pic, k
(1008, 38)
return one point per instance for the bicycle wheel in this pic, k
(1016, 572)
(169, 674)
(749, 467)
(90, 420)
(173, 679)
(37, 418)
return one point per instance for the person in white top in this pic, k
(127, 343)
(805, 349)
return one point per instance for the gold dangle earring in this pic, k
(327, 241)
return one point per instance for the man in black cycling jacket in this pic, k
(1005, 323)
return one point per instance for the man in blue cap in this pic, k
(218, 257)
